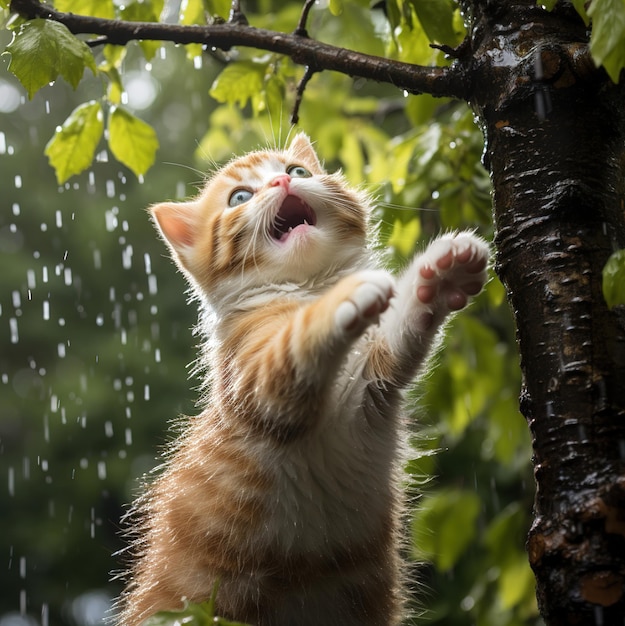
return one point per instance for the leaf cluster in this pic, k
(607, 38)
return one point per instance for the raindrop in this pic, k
(101, 473)
(45, 615)
(13, 329)
(97, 259)
(67, 276)
(15, 207)
(46, 428)
(61, 350)
(108, 428)
(197, 62)
(152, 285)
(44, 274)
(59, 219)
(148, 263)
(22, 567)
(54, 403)
(11, 481)
(146, 393)
(128, 436)
(110, 189)
(3, 143)
(18, 181)
(31, 279)
(99, 320)
(111, 221)
(157, 355)
(16, 299)
(46, 309)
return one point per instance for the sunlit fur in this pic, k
(284, 490)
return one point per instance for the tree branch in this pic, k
(452, 81)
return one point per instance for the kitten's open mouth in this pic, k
(294, 212)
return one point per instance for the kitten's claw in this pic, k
(370, 298)
(453, 269)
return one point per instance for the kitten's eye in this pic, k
(239, 196)
(297, 171)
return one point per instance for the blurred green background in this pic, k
(95, 332)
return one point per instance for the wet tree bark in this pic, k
(555, 146)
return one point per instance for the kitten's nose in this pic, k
(282, 180)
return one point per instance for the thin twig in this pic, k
(301, 30)
(236, 14)
(299, 94)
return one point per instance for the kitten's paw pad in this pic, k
(369, 299)
(452, 270)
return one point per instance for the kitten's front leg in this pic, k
(285, 368)
(438, 282)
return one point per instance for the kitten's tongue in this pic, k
(294, 212)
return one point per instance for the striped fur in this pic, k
(284, 489)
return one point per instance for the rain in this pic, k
(93, 320)
(96, 340)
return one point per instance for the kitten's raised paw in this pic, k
(370, 296)
(452, 270)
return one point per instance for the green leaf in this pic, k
(437, 20)
(71, 149)
(192, 12)
(131, 140)
(219, 8)
(614, 279)
(92, 8)
(43, 49)
(404, 237)
(336, 7)
(144, 11)
(607, 40)
(450, 517)
(239, 82)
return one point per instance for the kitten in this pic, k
(285, 489)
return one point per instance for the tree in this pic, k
(554, 134)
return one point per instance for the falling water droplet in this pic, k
(13, 330)
(11, 481)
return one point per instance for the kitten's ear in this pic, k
(301, 147)
(176, 223)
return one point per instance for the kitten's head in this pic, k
(267, 217)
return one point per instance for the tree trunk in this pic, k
(555, 146)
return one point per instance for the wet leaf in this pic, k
(71, 149)
(614, 279)
(437, 20)
(607, 41)
(43, 49)
(239, 82)
(132, 141)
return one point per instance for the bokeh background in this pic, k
(96, 334)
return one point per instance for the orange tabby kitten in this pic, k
(284, 490)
